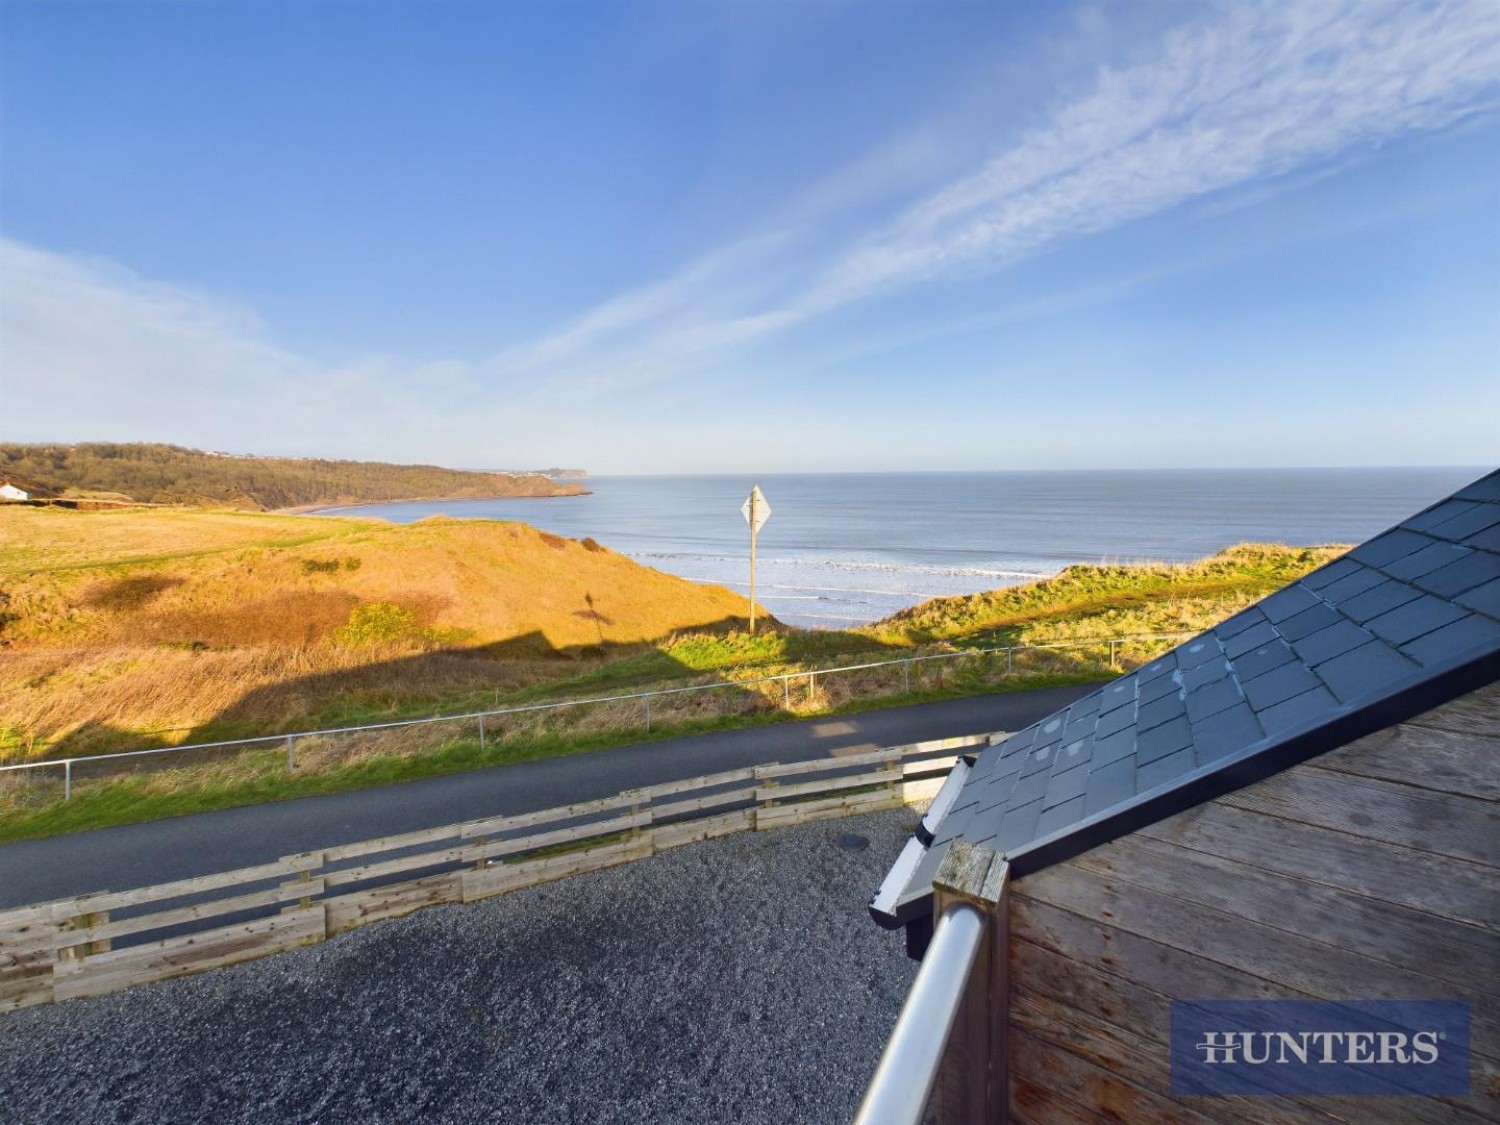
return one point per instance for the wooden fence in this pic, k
(99, 943)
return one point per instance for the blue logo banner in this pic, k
(1250, 1047)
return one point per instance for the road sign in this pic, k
(755, 510)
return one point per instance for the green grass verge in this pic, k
(136, 798)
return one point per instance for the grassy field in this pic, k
(150, 627)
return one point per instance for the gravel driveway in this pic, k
(738, 980)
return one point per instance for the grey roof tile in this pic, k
(1201, 675)
(1109, 785)
(1485, 488)
(1226, 732)
(1065, 787)
(1111, 721)
(1113, 747)
(1200, 650)
(1241, 621)
(1299, 709)
(1074, 754)
(1358, 582)
(1308, 621)
(1148, 775)
(1439, 645)
(1163, 710)
(1477, 519)
(1117, 694)
(1439, 513)
(1364, 671)
(1486, 598)
(1156, 689)
(1326, 575)
(1340, 637)
(1160, 741)
(1055, 819)
(1249, 640)
(1029, 788)
(1426, 561)
(1039, 758)
(1286, 682)
(1387, 548)
(1488, 539)
(1212, 699)
(1288, 602)
(1295, 662)
(1475, 569)
(1378, 599)
(1410, 621)
(1263, 660)
(1018, 827)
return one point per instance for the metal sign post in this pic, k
(756, 511)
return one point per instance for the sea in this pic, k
(843, 549)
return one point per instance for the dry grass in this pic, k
(160, 621)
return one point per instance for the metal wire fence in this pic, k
(804, 691)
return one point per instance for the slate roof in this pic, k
(1397, 626)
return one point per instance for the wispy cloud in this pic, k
(1261, 91)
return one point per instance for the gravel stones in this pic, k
(738, 980)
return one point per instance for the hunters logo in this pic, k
(1317, 1047)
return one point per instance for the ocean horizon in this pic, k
(843, 549)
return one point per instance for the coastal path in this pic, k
(159, 851)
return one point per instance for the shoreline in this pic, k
(319, 509)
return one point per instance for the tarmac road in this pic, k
(160, 851)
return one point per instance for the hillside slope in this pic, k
(170, 474)
(121, 622)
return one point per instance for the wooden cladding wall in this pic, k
(101, 943)
(1370, 872)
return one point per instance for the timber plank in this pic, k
(118, 900)
(1441, 885)
(1291, 960)
(671, 788)
(1064, 1074)
(143, 923)
(497, 824)
(1143, 1062)
(514, 876)
(827, 785)
(694, 804)
(1121, 1003)
(824, 765)
(392, 843)
(395, 866)
(1442, 823)
(665, 836)
(805, 812)
(110, 972)
(1468, 764)
(911, 768)
(495, 848)
(1033, 1105)
(1478, 712)
(348, 912)
(1455, 952)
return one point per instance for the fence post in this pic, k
(786, 685)
(648, 714)
(906, 676)
(68, 780)
(1111, 654)
(481, 732)
(812, 686)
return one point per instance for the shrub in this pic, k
(379, 623)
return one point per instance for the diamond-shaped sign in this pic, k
(755, 509)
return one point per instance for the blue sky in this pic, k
(691, 237)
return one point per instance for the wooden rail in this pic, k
(99, 943)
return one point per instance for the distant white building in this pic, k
(9, 491)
